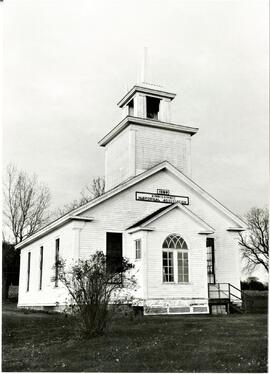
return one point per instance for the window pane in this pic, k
(57, 242)
(167, 266)
(28, 270)
(40, 267)
(138, 243)
(210, 259)
(137, 249)
(182, 258)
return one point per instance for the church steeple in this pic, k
(145, 99)
(146, 136)
(147, 102)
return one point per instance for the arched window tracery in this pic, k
(174, 241)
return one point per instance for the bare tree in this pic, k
(25, 203)
(95, 189)
(255, 242)
(68, 207)
(90, 192)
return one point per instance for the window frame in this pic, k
(138, 251)
(57, 250)
(176, 251)
(182, 252)
(169, 251)
(210, 258)
(41, 266)
(28, 271)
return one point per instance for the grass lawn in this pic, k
(42, 342)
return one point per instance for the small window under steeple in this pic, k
(152, 107)
(131, 108)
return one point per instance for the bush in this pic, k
(252, 283)
(93, 285)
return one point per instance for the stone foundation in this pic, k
(176, 306)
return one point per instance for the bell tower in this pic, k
(145, 136)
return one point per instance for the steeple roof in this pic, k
(148, 90)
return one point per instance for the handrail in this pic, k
(237, 289)
(236, 296)
(227, 292)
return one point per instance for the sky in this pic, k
(67, 64)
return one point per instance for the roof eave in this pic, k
(236, 229)
(51, 227)
(146, 90)
(129, 120)
(139, 228)
(206, 232)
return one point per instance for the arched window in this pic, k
(175, 260)
(174, 241)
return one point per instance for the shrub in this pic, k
(252, 283)
(92, 285)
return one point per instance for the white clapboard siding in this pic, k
(48, 294)
(117, 160)
(177, 222)
(154, 146)
(120, 212)
(138, 148)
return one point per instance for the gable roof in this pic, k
(149, 217)
(207, 229)
(165, 165)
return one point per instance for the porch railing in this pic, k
(226, 292)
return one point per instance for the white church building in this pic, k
(182, 241)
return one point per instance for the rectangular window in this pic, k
(114, 251)
(167, 258)
(40, 267)
(138, 249)
(57, 244)
(182, 259)
(210, 259)
(28, 271)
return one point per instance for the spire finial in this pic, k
(144, 66)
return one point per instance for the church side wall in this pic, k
(49, 294)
